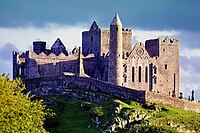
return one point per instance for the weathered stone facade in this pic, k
(152, 67)
(107, 55)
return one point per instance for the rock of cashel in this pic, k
(107, 61)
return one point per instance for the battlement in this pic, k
(52, 56)
(169, 40)
(123, 29)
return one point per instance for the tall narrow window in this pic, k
(155, 78)
(165, 66)
(125, 68)
(155, 70)
(20, 71)
(133, 74)
(146, 74)
(125, 78)
(140, 74)
(174, 81)
(91, 38)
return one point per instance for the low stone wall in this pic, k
(175, 102)
(59, 85)
(40, 86)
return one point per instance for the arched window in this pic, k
(140, 74)
(155, 70)
(20, 71)
(125, 78)
(125, 68)
(133, 74)
(155, 80)
(146, 74)
(126, 54)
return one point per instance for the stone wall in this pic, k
(45, 86)
(43, 65)
(60, 85)
(174, 102)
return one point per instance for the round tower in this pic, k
(115, 70)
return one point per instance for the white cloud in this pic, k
(189, 53)
(142, 35)
(189, 80)
(24, 36)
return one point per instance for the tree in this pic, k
(18, 113)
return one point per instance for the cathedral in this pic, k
(107, 55)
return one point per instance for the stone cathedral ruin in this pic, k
(146, 72)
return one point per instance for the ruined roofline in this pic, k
(21, 55)
(166, 39)
(32, 54)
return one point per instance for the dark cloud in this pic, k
(6, 67)
(6, 58)
(151, 14)
(6, 51)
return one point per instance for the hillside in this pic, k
(79, 116)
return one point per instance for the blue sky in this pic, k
(23, 21)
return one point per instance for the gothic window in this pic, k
(125, 78)
(165, 66)
(126, 54)
(125, 68)
(146, 74)
(140, 74)
(116, 28)
(133, 74)
(20, 71)
(123, 55)
(155, 70)
(174, 81)
(155, 78)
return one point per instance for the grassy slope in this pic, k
(71, 118)
(166, 113)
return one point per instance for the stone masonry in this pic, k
(107, 55)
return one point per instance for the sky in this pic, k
(25, 21)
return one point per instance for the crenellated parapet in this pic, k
(43, 58)
(170, 41)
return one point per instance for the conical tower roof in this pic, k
(58, 44)
(94, 26)
(116, 20)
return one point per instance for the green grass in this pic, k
(131, 106)
(74, 119)
(175, 115)
(71, 118)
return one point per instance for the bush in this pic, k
(96, 111)
(18, 113)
